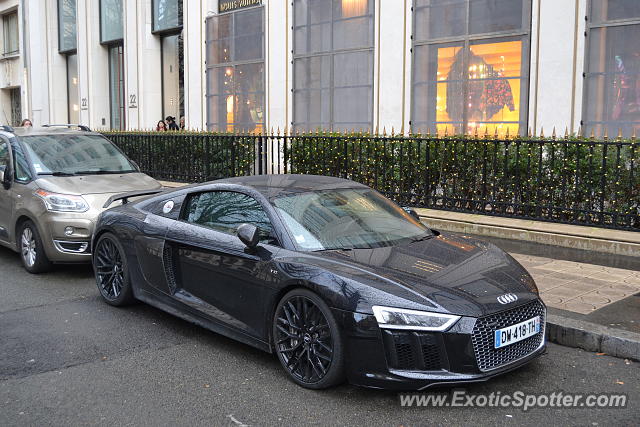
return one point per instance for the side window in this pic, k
(22, 171)
(225, 211)
(4, 155)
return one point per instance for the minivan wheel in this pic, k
(34, 259)
(111, 270)
(307, 340)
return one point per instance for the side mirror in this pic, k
(249, 235)
(5, 177)
(411, 212)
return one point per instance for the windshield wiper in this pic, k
(425, 236)
(56, 173)
(101, 172)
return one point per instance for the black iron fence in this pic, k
(569, 180)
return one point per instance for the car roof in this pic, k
(273, 185)
(53, 130)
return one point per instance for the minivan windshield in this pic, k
(66, 154)
(346, 219)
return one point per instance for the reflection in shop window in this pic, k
(476, 84)
(235, 71)
(612, 90)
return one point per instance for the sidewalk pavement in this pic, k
(588, 277)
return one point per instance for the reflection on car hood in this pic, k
(448, 272)
(97, 184)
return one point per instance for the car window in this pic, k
(225, 211)
(4, 155)
(22, 171)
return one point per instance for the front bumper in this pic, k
(61, 247)
(415, 360)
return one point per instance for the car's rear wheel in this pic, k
(34, 259)
(308, 341)
(111, 271)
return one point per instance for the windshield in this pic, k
(346, 219)
(74, 154)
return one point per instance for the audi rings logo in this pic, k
(507, 298)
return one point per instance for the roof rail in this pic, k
(7, 128)
(69, 125)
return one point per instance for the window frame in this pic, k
(467, 40)
(590, 25)
(331, 53)
(123, 114)
(233, 64)
(5, 31)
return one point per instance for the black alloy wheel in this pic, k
(111, 272)
(307, 340)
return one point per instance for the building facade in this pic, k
(486, 66)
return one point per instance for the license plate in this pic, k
(518, 332)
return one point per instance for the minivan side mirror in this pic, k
(5, 177)
(249, 235)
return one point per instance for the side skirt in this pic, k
(187, 314)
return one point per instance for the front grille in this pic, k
(411, 351)
(487, 356)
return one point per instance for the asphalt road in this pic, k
(67, 359)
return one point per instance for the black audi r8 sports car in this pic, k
(337, 280)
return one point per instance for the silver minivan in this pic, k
(55, 182)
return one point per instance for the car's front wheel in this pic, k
(111, 271)
(307, 340)
(34, 259)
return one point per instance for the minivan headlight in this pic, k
(400, 318)
(62, 202)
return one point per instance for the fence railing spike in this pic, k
(566, 132)
(579, 135)
(553, 133)
(541, 131)
(633, 134)
(606, 133)
(495, 133)
(507, 134)
(429, 130)
(377, 130)
(402, 129)
(446, 130)
(619, 133)
(393, 131)
(475, 132)
(593, 135)
(384, 131)
(529, 132)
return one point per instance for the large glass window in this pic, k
(116, 86)
(235, 71)
(333, 64)
(10, 32)
(67, 25)
(111, 21)
(173, 75)
(612, 78)
(167, 15)
(225, 211)
(470, 65)
(73, 96)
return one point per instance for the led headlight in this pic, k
(400, 318)
(62, 202)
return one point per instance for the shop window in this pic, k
(173, 75)
(10, 32)
(333, 64)
(116, 86)
(470, 66)
(235, 71)
(67, 41)
(612, 78)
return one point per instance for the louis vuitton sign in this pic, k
(231, 5)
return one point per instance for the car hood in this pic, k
(446, 273)
(97, 184)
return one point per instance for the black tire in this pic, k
(112, 271)
(32, 254)
(308, 341)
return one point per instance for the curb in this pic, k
(592, 337)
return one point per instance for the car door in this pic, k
(6, 201)
(215, 272)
